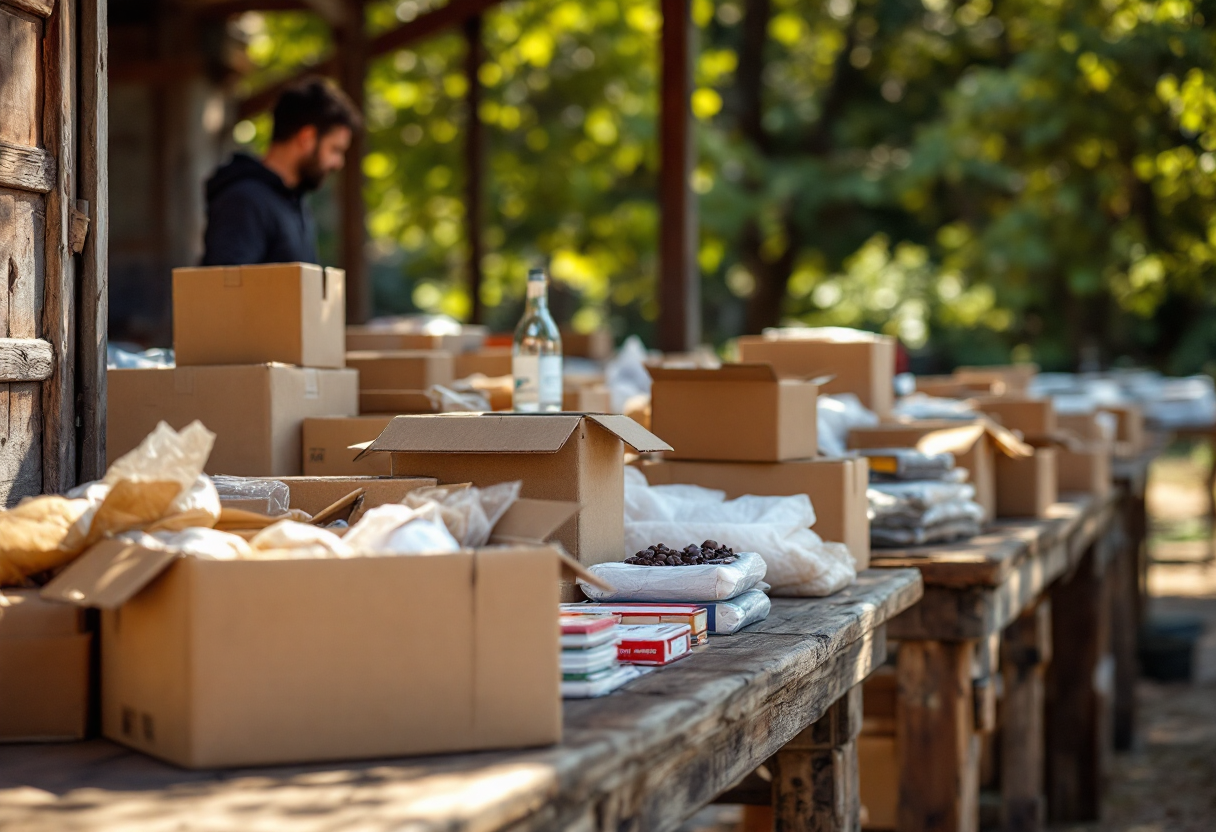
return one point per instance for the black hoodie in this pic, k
(252, 217)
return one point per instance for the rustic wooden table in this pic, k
(646, 757)
(1025, 602)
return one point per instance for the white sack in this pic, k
(778, 528)
(693, 584)
(835, 416)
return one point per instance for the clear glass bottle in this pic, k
(536, 357)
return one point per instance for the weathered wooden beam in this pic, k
(25, 359)
(474, 160)
(42, 8)
(815, 776)
(679, 327)
(1025, 651)
(26, 168)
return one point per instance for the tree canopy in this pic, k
(985, 179)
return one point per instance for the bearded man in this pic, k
(256, 211)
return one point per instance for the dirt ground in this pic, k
(1167, 783)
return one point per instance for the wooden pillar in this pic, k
(1078, 699)
(474, 160)
(1127, 615)
(351, 39)
(1025, 652)
(935, 738)
(815, 776)
(679, 276)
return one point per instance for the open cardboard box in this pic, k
(293, 313)
(211, 663)
(572, 457)
(1030, 416)
(735, 413)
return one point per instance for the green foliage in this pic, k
(1030, 177)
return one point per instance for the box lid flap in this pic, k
(630, 432)
(955, 440)
(532, 521)
(476, 433)
(727, 372)
(24, 613)
(1006, 440)
(108, 575)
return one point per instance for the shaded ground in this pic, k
(1168, 782)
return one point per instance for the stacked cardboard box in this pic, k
(259, 349)
(1025, 486)
(743, 429)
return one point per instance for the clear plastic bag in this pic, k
(469, 513)
(275, 494)
(835, 417)
(731, 616)
(693, 584)
(290, 539)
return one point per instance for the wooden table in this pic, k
(646, 757)
(1003, 604)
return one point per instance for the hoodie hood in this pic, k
(242, 167)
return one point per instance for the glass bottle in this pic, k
(536, 357)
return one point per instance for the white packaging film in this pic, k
(690, 584)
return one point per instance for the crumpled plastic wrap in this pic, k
(288, 538)
(626, 374)
(277, 495)
(395, 529)
(799, 562)
(459, 398)
(835, 417)
(731, 616)
(208, 544)
(694, 584)
(469, 513)
(915, 513)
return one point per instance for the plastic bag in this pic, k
(835, 417)
(275, 494)
(731, 616)
(448, 400)
(469, 513)
(694, 584)
(289, 539)
(626, 374)
(778, 528)
(394, 529)
(208, 544)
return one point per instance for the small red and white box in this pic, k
(653, 644)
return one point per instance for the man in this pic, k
(255, 209)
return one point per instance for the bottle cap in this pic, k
(536, 274)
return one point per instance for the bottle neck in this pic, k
(538, 296)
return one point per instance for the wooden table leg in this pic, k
(935, 736)
(1025, 652)
(1078, 694)
(815, 774)
(1125, 618)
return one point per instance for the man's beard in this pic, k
(311, 174)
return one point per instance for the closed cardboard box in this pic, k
(254, 662)
(591, 398)
(836, 487)
(1130, 428)
(1084, 470)
(401, 369)
(594, 345)
(257, 412)
(738, 412)
(1006, 379)
(44, 669)
(1026, 486)
(395, 402)
(489, 361)
(293, 313)
(968, 442)
(327, 441)
(864, 366)
(376, 338)
(558, 456)
(1033, 417)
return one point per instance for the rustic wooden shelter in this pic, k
(53, 234)
(172, 71)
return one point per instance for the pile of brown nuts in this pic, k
(709, 552)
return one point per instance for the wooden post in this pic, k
(94, 281)
(935, 738)
(1025, 652)
(815, 777)
(679, 327)
(1078, 701)
(474, 160)
(352, 72)
(1127, 615)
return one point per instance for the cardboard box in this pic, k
(592, 398)
(1099, 427)
(312, 494)
(1026, 486)
(558, 456)
(395, 402)
(948, 387)
(255, 662)
(1006, 379)
(489, 361)
(358, 338)
(292, 313)
(1130, 431)
(1084, 470)
(401, 369)
(968, 441)
(327, 446)
(594, 345)
(836, 487)
(257, 412)
(739, 412)
(878, 780)
(865, 367)
(1033, 417)
(44, 669)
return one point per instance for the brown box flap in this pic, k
(630, 432)
(727, 372)
(532, 521)
(108, 575)
(23, 613)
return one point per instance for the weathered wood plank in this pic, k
(93, 315)
(25, 359)
(26, 168)
(58, 302)
(1026, 649)
(20, 35)
(815, 774)
(42, 8)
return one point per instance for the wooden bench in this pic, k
(1027, 602)
(646, 757)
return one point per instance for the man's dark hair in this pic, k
(315, 102)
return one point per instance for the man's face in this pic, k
(324, 155)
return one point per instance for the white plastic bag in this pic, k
(208, 544)
(394, 529)
(694, 584)
(835, 417)
(470, 513)
(291, 539)
(731, 616)
(778, 528)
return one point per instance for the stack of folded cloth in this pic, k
(918, 498)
